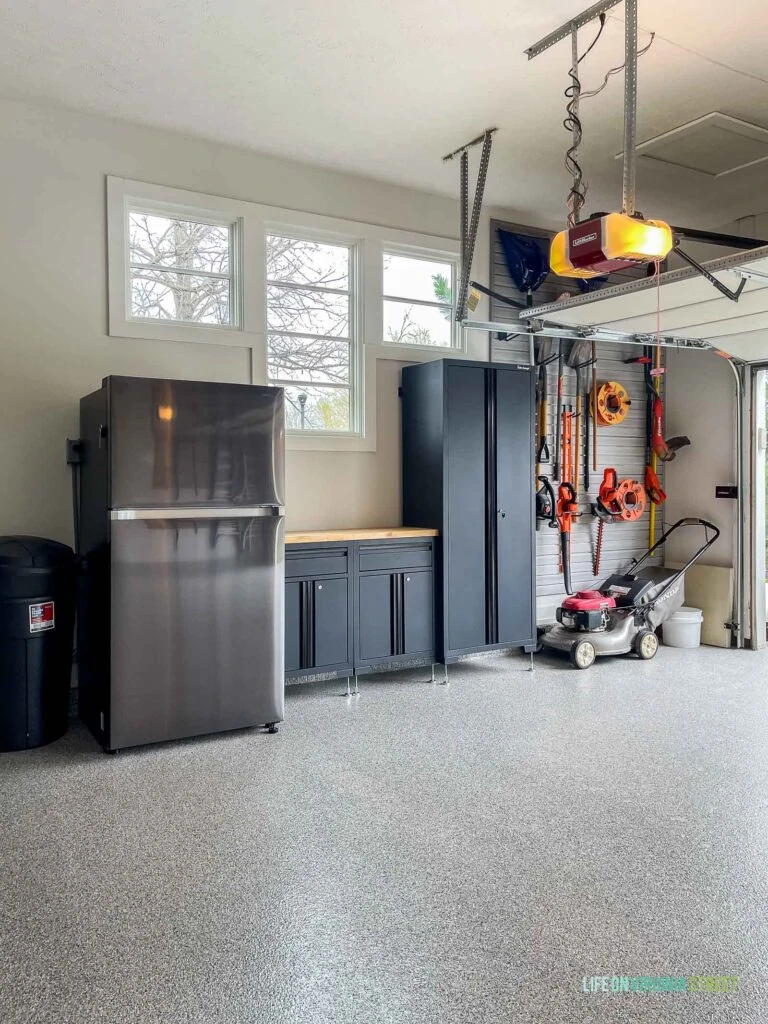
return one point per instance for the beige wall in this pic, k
(53, 299)
(701, 402)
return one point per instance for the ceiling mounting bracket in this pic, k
(729, 293)
(469, 225)
(750, 275)
(570, 26)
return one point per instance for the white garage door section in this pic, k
(692, 309)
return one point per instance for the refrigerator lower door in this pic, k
(197, 635)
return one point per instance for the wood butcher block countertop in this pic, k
(391, 533)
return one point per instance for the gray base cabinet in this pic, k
(394, 603)
(318, 609)
(358, 607)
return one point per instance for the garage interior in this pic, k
(383, 558)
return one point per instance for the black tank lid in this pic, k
(33, 553)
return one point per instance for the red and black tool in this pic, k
(567, 501)
(665, 450)
(567, 510)
(546, 504)
(652, 483)
(616, 501)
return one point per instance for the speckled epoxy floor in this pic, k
(421, 853)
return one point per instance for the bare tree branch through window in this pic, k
(310, 331)
(180, 270)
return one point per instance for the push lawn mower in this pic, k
(623, 615)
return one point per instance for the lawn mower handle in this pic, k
(708, 542)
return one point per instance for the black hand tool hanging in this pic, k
(557, 467)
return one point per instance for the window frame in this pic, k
(234, 226)
(356, 354)
(255, 220)
(457, 346)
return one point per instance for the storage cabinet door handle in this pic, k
(319, 586)
(502, 513)
(407, 579)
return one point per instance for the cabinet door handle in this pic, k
(407, 579)
(502, 513)
(319, 586)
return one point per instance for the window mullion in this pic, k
(448, 307)
(164, 269)
(292, 286)
(285, 333)
(280, 382)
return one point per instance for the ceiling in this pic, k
(386, 87)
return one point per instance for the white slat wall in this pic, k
(621, 446)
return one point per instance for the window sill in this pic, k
(415, 353)
(158, 330)
(309, 442)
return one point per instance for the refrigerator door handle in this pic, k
(169, 512)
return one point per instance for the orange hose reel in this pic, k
(613, 404)
(617, 501)
(630, 498)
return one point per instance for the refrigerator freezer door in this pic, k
(197, 633)
(181, 443)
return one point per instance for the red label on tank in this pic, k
(41, 617)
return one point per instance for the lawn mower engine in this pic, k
(587, 610)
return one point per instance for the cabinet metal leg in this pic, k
(530, 667)
(444, 681)
(433, 672)
(347, 692)
(356, 691)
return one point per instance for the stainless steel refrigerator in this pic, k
(181, 525)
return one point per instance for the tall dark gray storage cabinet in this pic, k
(468, 471)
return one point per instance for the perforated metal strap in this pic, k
(468, 250)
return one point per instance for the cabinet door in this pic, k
(464, 540)
(418, 612)
(375, 621)
(331, 622)
(514, 489)
(293, 626)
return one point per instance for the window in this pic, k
(181, 270)
(316, 304)
(311, 332)
(418, 300)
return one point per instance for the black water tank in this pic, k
(37, 616)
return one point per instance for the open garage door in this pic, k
(692, 310)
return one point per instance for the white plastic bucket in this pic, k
(683, 628)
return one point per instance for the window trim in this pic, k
(255, 219)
